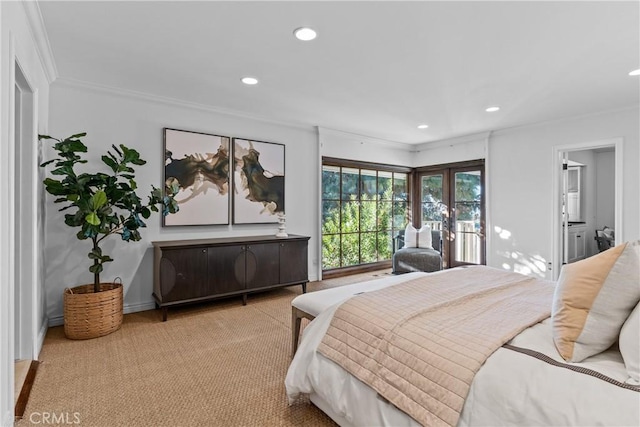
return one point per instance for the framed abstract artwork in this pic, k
(200, 164)
(258, 181)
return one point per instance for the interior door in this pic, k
(452, 200)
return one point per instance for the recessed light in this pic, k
(635, 72)
(492, 109)
(305, 34)
(423, 126)
(249, 80)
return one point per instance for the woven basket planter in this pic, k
(91, 315)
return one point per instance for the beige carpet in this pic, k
(215, 364)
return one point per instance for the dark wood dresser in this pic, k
(186, 271)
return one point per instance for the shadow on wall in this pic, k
(516, 261)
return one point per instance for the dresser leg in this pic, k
(164, 313)
(304, 288)
(244, 299)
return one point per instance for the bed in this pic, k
(524, 382)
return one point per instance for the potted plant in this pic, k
(100, 204)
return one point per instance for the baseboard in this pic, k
(127, 309)
(40, 340)
(143, 306)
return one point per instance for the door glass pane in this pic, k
(468, 192)
(432, 205)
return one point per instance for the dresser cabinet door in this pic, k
(226, 269)
(293, 262)
(263, 265)
(183, 274)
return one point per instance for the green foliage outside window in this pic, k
(359, 231)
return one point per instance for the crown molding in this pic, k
(324, 131)
(41, 40)
(173, 102)
(474, 137)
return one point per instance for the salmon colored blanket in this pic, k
(420, 343)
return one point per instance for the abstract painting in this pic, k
(258, 181)
(200, 164)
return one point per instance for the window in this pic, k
(363, 206)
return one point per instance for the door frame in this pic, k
(25, 231)
(448, 170)
(556, 192)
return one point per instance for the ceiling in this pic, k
(377, 68)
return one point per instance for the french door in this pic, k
(451, 199)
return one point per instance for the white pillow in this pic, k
(630, 345)
(424, 237)
(410, 237)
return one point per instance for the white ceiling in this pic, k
(376, 68)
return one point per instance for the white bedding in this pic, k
(510, 389)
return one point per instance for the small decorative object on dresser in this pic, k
(187, 271)
(282, 228)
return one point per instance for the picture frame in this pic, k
(258, 181)
(200, 162)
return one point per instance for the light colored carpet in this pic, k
(214, 364)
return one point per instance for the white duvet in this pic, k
(510, 389)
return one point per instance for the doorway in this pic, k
(587, 182)
(25, 224)
(452, 199)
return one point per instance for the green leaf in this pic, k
(78, 135)
(96, 268)
(47, 163)
(92, 219)
(98, 200)
(109, 162)
(116, 150)
(73, 197)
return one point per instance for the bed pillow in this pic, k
(630, 345)
(592, 300)
(410, 237)
(424, 237)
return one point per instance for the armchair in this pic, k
(406, 260)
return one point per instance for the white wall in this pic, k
(520, 178)
(605, 185)
(114, 117)
(343, 145)
(588, 196)
(470, 147)
(18, 43)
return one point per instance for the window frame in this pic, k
(367, 166)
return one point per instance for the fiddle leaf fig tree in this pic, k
(102, 204)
